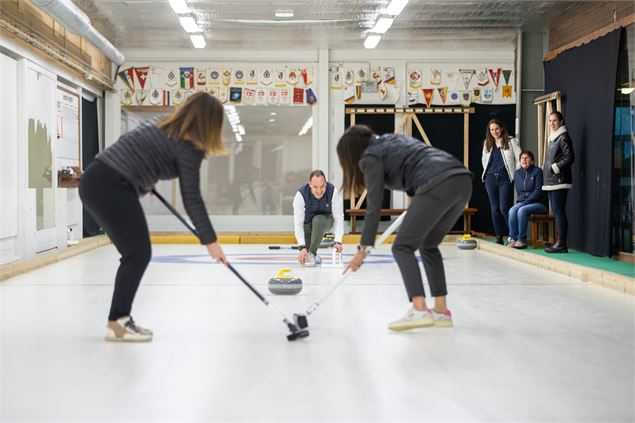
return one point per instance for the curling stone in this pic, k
(283, 284)
(466, 243)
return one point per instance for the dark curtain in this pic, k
(380, 124)
(90, 148)
(586, 78)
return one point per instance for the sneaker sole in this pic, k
(443, 324)
(410, 325)
(110, 339)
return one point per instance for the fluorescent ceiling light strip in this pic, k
(372, 41)
(189, 24)
(198, 41)
(284, 13)
(382, 25)
(395, 7)
(179, 6)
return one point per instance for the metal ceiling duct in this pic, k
(76, 21)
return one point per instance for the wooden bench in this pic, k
(545, 224)
(354, 213)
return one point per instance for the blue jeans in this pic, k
(518, 218)
(558, 200)
(500, 192)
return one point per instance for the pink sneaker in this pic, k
(442, 320)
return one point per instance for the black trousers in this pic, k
(114, 204)
(558, 200)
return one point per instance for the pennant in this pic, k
(495, 75)
(413, 97)
(142, 75)
(369, 87)
(435, 76)
(466, 98)
(467, 75)
(382, 90)
(349, 94)
(310, 97)
(481, 78)
(171, 78)
(349, 76)
(141, 96)
(336, 79)
(235, 94)
(226, 76)
(127, 76)
(223, 94)
(178, 97)
(167, 97)
(252, 76)
(362, 75)
(249, 96)
(187, 78)
(280, 78)
(155, 97)
(155, 77)
(126, 97)
(239, 77)
(292, 76)
(414, 78)
(307, 76)
(214, 76)
(454, 96)
(201, 77)
(443, 93)
(476, 94)
(358, 92)
(298, 96)
(283, 96)
(487, 95)
(272, 98)
(261, 97)
(394, 92)
(427, 95)
(507, 91)
(266, 77)
(389, 75)
(506, 74)
(376, 75)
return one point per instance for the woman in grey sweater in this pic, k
(439, 187)
(111, 186)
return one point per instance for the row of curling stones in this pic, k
(466, 242)
(285, 284)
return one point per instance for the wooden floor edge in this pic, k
(19, 267)
(604, 278)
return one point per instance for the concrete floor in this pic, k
(528, 345)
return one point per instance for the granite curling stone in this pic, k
(284, 284)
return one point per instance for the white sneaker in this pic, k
(442, 320)
(309, 261)
(412, 320)
(125, 329)
(318, 260)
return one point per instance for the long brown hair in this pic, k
(489, 139)
(350, 148)
(199, 122)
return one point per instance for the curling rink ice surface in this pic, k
(528, 345)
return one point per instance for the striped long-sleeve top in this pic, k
(146, 155)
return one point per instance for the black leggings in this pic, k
(114, 204)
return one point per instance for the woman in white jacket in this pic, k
(500, 159)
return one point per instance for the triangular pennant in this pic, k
(142, 75)
(127, 76)
(495, 75)
(467, 75)
(427, 95)
(141, 96)
(506, 74)
(443, 93)
(126, 97)
(481, 78)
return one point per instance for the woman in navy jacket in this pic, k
(531, 199)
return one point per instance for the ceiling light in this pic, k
(198, 41)
(284, 13)
(238, 138)
(307, 125)
(627, 90)
(372, 41)
(189, 24)
(273, 113)
(241, 130)
(396, 6)
(179, 6)
(382, 25)
(272, 120)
